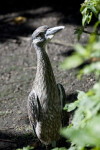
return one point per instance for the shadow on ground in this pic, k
(9, 141)
(66, 7)
(69, 12)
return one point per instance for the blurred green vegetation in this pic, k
(84, 130)
(26, 148)
(89, 9)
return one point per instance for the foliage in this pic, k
(85, 127)
(84, 130)
(88, 9)
(71, 61)
(90, 54)
(26, 148)
(79, 32)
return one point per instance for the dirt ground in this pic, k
(18, 67)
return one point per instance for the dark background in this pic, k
(17, 5)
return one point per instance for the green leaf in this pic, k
(79, 32)
(72, 148)
(84, 130)
(96, 148)
(87, 136)
(93, 9)
(72, 62)
(98, 6)
(82, 50)
(96, 25)
(93, 67)
(82, 136)
(84, 20)
(88, 8)
(72, 106)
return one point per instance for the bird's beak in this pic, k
(52, 31)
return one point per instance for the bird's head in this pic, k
(44, 34)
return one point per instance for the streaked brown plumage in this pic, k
(46, 100)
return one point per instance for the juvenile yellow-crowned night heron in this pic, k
(46, 100)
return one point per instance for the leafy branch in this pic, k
(84, 130)
(88, 9)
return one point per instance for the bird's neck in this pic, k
(44, 69)
(45, 83)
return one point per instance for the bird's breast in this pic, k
(47, 129)
(47, 91)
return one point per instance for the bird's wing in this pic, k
(33, 108)
(62, 96)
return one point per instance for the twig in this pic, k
(90, 32)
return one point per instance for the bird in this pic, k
(46, 99)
